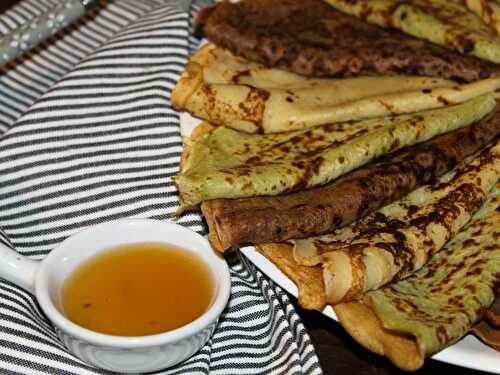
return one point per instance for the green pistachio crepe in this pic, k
(436, 306)
(230, 91)
(231, 164)
(426, 312)
(448, 23)
(398, 239)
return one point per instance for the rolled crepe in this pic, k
(309, 280)
(447, 23)
(437, 305)
(319, 210)
(226, 90)
(397, 240)
(414, 318)
(311, 38)
(231, 164)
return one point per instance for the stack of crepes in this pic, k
(357, 144)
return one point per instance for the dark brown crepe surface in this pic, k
(309, 37)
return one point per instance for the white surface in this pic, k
(17, 269)
(468, 352)
(122, 353)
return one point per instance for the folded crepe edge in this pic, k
(192, 85)
(492, 315)
(488, 329)
(202, 129)
(309, 280)
(346, 266)
(359, 319)
(488, 334)
(218, 243)
(191, 79)
(215, 236)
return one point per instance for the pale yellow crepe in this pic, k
(309, 280)
(488, 10)
(411, 319)
(448, 23)
(419, 316)
(230, 91)
(398, 239)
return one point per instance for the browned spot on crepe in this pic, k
(309, 37)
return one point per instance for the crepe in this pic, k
(416, 317)
(488, 10)
(447, 23)
(488, 329)
(309, 280)
(398, 239)
(322, 209)
(229, 91)
(437, 305)
(311, 38)
(231, 164)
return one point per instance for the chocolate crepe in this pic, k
(310, 38)
(420, 315)
(227, 90)
(395, 241)
(231, 164)
(319, 210)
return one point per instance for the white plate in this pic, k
(468, 352)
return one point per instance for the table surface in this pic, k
(338, 353)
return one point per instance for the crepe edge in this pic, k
(361, 322)
(201, 130)
(217, 241)
(191, 79)
(488, 334)
(216, 237)
(309, 280)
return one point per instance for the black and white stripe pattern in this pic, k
(89, 136)
(26, 79)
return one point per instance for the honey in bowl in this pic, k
(138, 290)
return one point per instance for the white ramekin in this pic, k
(119, 353)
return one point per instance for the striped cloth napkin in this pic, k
(87, 136)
